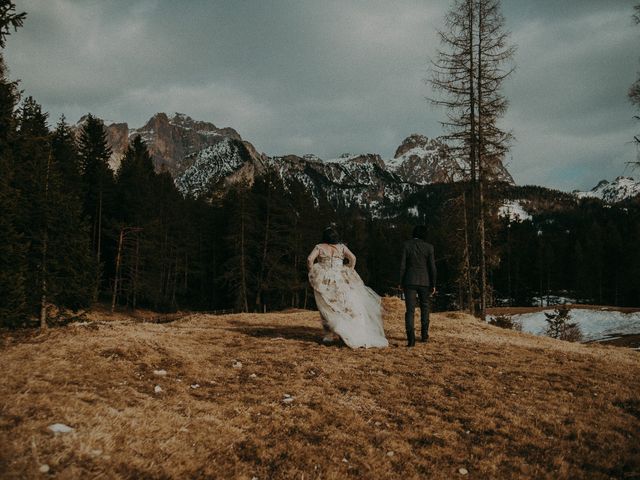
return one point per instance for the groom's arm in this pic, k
(403, 264)
(431, 263)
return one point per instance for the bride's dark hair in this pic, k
(330, 235)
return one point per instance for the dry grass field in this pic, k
(258, 396)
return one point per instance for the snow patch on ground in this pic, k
(595, 324)
(513, 210)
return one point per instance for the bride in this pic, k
(347, 306)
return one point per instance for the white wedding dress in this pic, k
(348, 307)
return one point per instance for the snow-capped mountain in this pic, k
(204, 159)
(218, 165)
(622, 188)
(170, 140)
(364, 179)
(423, 161)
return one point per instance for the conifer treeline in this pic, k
(73, 231)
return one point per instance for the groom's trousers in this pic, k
(410, 292)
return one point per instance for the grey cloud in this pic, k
(334, 76)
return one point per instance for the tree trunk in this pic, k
(99, 245)
(243, 273)
(114, 296)
(174, 303)
(265, 246)
(45, 245)
(43, 281)
(467, 259)
(473, 160)
(481, 150)
(134, 287)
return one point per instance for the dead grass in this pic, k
(498, 403)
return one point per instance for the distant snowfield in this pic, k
(620, 189)
(514, 211)
(596, 325)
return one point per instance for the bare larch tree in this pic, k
(469, 72)
(634, 90)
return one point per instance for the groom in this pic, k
(417, 276)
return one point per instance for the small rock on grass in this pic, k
(463, 471)
(287, 398)
(391, 453)
(195, 385)
(44, 468)
(236, 364)
(157, 389)
(60, 428)
(160, 373)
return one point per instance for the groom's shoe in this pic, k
(411, 343)
(424, 339)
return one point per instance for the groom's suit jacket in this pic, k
(418, 266)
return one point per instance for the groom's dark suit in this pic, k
(417, 276)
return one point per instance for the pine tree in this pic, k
(9, 20)
(240, 237)
(274, 213)
(32, 178)
(60, 265)
(72, 263)
(135, 181)
(559, 325)
(64, 150)
(97, 180)
(469, 72)
(12, 244)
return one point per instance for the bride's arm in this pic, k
(350, 256)
(312, 257)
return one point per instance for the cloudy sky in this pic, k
(328, 77)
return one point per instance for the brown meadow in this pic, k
(258, 396)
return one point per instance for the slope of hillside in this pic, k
(257, 396)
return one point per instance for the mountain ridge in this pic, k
(203, 157)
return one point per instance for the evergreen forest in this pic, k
(74, 232)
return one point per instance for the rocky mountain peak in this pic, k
(412, 141)
(622, 188)
(170, 140)
(158, 120)
(361, 159)
(422, 161)
(186, 122)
